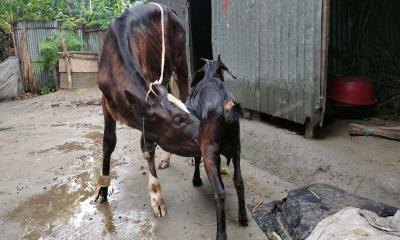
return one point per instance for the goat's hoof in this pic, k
(197, 182)
(158, 207)
(243, 221)
(163, 164)
(221, 236)
(101, 195)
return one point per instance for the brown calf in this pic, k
(131, 58)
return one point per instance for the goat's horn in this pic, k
(205, 60)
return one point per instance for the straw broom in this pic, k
(384, 132)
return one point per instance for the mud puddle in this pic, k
(68, 212)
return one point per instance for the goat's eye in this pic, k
(178, 120)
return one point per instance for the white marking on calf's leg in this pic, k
(157, 201)
(104, 181)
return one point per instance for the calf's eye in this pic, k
(179, 120)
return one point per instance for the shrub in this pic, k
(52, 45)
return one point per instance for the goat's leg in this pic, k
(209, 159)
(109, 141)
(197, 182)
(239, 185)
(157, 201)
(218, 162)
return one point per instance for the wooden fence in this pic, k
(29, 36)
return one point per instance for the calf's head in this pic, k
(167, 121)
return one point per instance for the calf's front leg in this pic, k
(157, 201)
(109, 142)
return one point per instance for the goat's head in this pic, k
(211, 69)
(166, 120)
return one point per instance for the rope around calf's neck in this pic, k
(160, 80)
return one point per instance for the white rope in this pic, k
(160, 80)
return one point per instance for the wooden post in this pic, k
(26, 65)
(67, 62)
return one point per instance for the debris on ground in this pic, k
(392, 133)
(296, 216)
(353, 223)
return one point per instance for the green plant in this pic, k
(52, 45)
(46, 89)
(73, 12)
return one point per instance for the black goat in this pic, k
(219, 133)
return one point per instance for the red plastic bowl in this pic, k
(353, 90)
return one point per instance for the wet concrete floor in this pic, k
(51, 156)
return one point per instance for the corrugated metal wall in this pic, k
(274, 48)
(38, 31)
(94, 40)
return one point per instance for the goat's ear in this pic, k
(224, 67)
(135, 103)
(197, 77)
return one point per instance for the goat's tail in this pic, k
(234, 113)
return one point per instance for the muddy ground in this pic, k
(50, 154)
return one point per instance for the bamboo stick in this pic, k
(67, 62)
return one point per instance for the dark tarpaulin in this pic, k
(295, 217)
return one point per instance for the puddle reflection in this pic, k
(67, 212)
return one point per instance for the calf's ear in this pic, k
(136, 103)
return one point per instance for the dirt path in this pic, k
(51, 150)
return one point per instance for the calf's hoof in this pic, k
(158, 207)
(101, 195)
(164, 164)
(197, 182)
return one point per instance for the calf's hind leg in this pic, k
(157, 201)
(109, 141)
